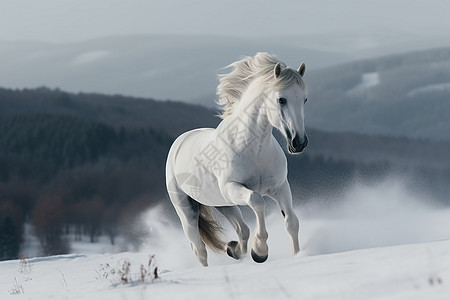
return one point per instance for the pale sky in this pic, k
(77, 20)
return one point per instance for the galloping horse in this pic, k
(240, 162)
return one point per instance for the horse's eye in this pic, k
(306, 99)
(282, 100)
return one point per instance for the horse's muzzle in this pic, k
(297, 144)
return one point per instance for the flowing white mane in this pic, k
(234, 84)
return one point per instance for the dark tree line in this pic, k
(61, 170)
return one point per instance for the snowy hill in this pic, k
(403, 95)
(419, 271)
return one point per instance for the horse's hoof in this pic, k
(259, 259)
(233, 249)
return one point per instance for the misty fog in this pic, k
(385, 213)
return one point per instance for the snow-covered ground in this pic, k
(418, 271)
(380, 242)
(440, 87)
(368, 80)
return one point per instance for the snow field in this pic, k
(418, 271)
(348, 252)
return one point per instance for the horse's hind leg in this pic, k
(188, 211)
(189, 216)
(238, 193)
(234, 216)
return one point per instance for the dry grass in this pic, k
(124, 273)
(25, 267)
(17, 289)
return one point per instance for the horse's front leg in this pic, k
(283, 197)
(239, 194)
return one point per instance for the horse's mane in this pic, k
(233, 85)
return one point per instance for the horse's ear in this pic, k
(277, 70)
(302, 69)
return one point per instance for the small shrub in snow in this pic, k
(25, 274)
(24, 266)
(17, 289)
(125, 273)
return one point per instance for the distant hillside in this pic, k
(402, 95)
(405, 94)
(173, 117)
(161, 66)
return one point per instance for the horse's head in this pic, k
(286, 100)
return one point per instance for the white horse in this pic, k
(240, 162)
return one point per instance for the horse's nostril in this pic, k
(294, 143)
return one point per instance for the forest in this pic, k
(84, 165)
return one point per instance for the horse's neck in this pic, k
(252, 117)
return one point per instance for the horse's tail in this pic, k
(210, 229)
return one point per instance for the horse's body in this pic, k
(240, 162)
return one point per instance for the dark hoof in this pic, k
(259, 259)
(233, 249)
